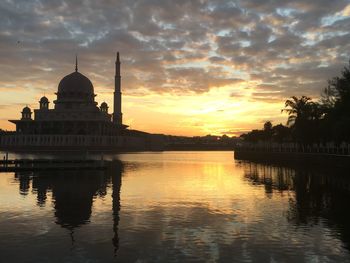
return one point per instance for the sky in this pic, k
(188, 67)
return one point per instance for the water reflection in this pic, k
(73, 193)
(176, 207)
(272, 177)
(320, 196)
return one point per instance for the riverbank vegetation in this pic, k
(309, 121)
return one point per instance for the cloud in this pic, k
(253, 36)
(183, 47)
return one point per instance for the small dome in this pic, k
(44, 100)
(76, 83)
(104, 105)
(26, 110)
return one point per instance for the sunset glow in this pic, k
(188, 67)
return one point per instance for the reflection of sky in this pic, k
(175, 207)
(208, 209)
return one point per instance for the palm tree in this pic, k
(298, 109)
(304, 116)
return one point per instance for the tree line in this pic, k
(309, 122)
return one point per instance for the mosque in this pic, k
(75, 121)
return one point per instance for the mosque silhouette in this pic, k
(76, 121)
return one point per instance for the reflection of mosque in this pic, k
(73, 193)
(319, 196)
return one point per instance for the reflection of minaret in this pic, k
(117, 115)
(116, 184)
(73, 193)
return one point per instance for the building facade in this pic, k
(75, 111)
(75, 121)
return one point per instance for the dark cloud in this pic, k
(176, 46)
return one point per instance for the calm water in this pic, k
(176, 207)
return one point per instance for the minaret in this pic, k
(117, 115)
(76, 63)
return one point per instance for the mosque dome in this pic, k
(26, 110)
(104, 107)
(44, 100)
(76, 83)
(26, 113)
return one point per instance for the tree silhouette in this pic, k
(304, 116)
(268, 130)
(298, 109)
(280, 133)
(308, 122)
(335, 100)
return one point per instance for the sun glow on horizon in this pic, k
(215, 68)
(225, 110)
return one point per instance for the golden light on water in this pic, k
(185, 183)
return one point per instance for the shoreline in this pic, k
(294, 158)
(109, 150)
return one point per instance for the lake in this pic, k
(176, 207)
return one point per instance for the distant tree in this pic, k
(268, 126)
(280, 133)
(268, 130)
(225, 138)
(254, 136)
(269, 133)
